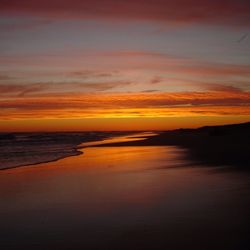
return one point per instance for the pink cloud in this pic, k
(184, 11)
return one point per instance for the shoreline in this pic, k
(64, 151)
(77, 152)
(27, 149)
(225, 145)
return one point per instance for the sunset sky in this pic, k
(123, 64)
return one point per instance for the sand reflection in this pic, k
(126, 138)
(110, 195)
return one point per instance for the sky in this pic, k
(123, 65)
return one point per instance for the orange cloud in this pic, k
(107, 105)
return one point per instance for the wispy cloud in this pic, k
(19, 90)
(5, 77)
(221, 88)
(156, 79)
(57, 87)
(93, 74)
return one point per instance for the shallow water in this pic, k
(20, 149)
(118, 139)
(144, 197)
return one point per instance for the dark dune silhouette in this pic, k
(226, 145)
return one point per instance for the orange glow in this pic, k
(109, 124)
(119, 111)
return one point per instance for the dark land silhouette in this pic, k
(226, 145)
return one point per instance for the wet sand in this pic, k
(218, 146)
(129, 197)
(22, 149)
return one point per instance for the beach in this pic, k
(124, 197)
(124, 125)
